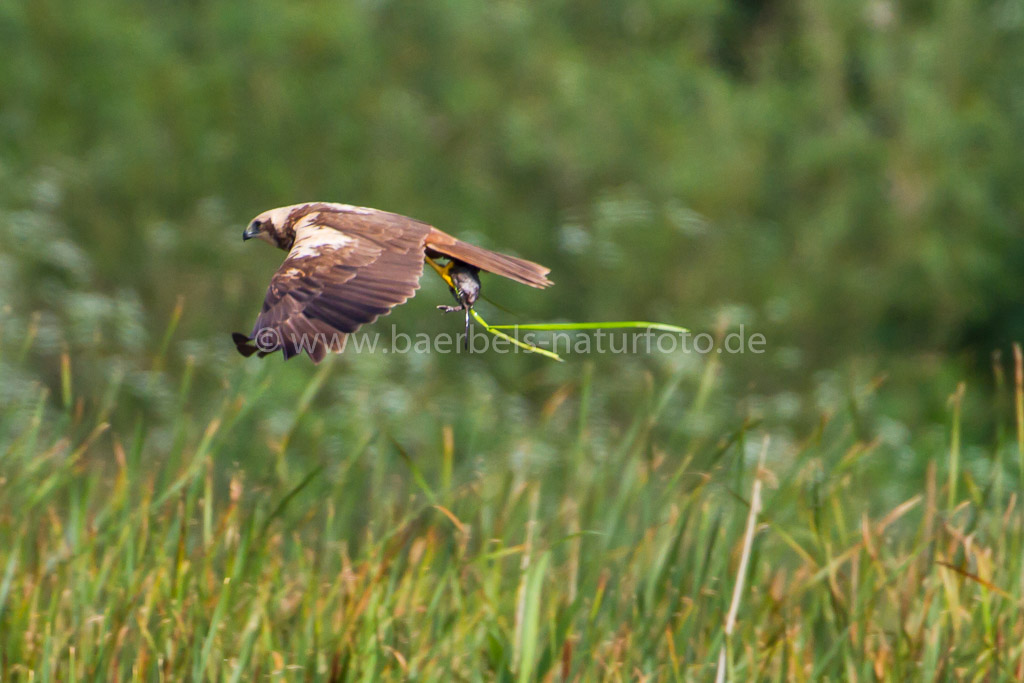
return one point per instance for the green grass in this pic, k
(164, 552)
(840, 177)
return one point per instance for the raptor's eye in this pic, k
(254, 229)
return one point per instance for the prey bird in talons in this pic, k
(464, 282)
(348, 265)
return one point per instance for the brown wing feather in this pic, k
(520, 270)
(344, 270)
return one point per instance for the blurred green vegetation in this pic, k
(848, 172)
(844, 178)
(200, 549)
(841, 177)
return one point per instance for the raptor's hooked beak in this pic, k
(253, 230)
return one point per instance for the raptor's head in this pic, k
(277, 226)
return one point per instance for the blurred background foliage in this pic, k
(843, 177)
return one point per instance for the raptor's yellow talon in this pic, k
(444, 271)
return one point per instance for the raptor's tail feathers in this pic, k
(520, 270)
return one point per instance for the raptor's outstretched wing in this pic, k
(344, 270)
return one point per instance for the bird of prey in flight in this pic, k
(347, 265)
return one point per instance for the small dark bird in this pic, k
(464, 282)
(348, 265)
